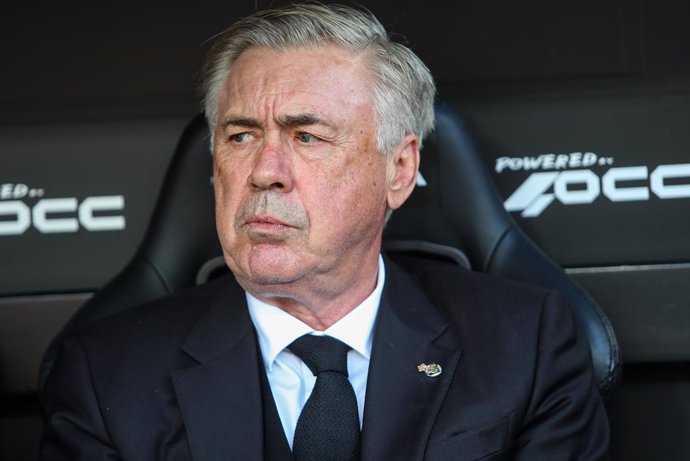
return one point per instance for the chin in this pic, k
(270, 273)
(267, 280)
(267, 285)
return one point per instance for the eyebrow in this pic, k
(304, 119)
(241, 121)
(300, 119)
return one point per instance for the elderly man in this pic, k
(320, 348)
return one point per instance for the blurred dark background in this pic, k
(93, 96)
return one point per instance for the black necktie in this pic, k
(328, 427)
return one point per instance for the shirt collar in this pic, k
(276, 329)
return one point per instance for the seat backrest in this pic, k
(456, 209)
(457, 204)
(180, 239)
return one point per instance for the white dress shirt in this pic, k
(290, 379)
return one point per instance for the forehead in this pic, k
(297, 76)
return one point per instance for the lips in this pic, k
(266, 222)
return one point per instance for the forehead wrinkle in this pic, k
(257, 92)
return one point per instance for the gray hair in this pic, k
(403, 90)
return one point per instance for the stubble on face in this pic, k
(264, 221)
(269, 207)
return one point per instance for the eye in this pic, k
(306, 138)
(240, 138)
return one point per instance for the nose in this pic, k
(272, 169)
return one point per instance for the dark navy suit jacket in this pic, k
(179, 378)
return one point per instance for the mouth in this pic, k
(265, 219)
(266, 224)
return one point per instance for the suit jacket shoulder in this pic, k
(523, 387)
(162, 380)
(472, 299)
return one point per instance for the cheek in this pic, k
(229, 175)
(370, 179)
(353, 196)
(227, 189)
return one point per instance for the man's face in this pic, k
(301, 191)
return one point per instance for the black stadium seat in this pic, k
(455, 213)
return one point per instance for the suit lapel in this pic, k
(220, 399)
(401, 402)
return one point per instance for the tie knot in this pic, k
(321, 353)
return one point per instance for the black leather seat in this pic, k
(456, 215)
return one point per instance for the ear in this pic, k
(401, 173)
